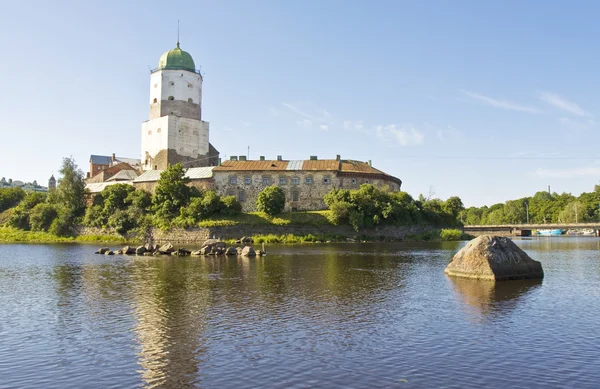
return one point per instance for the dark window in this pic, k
(295, 195)
(233, 180)
(308, 180)
(266, 180)
(231, 193)
(353, 181)
(282, 180)
(155, 100)
(171, 98)
(190, 100)
(247, 180)
(242, 196)
(326, 180)
(295, 180)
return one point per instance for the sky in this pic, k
(488, 101)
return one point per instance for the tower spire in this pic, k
(177, 33)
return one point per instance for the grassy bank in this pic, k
(311, 218)
(441, 235)
(13, 235)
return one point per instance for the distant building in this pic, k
(27, 186)
(100, 163)
(52, 183)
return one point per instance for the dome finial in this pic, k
(177, 33)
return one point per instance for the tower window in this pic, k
(190, 100)
(158, 130)
(190, 86)
(150, 132)
(171, 98)
(156, 85)
(171, 83)
(155, 100)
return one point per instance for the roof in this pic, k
(130, 161)
(177, 59)
(124, 175)
(346, 167)
(100, 159)
(98, 187)
(194, 173)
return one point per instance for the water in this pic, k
(307, 316)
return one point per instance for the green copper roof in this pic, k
(176, 59)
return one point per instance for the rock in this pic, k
(166, 248)
(218, 250)
(239, 241)
(126, 250)
(231, 251)
(196, 253)
(246, 240)
(148, 254)
(214, 243)
(248, 251)
(140, 250)
(102, 250)
(206, 250)
(149, 247)
(183, 252)
(261, 253)
(109, 252)
(239, 250)
(493, 258)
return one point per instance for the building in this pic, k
(99, 164)
(175, 131)
(26, 186)
(52, 183)
(305, 182)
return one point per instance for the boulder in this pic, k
(166, 248)
(248, 251)
(148, 254)
(126, 250)
(102, 250)
(183, 252)
(196, 253)
(140, 250)
(149, 247)
(231, 251)
(493, 258)
(206, 250)
(218, 250)
(109, 252)
(214, 243)
(239, 250)
(246, 240)
(261, 253)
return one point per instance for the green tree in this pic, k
(172, 192)
(453, 205)
(271, 200)
(20, 217)
(10, 197)
(42, 216)
(71, 191)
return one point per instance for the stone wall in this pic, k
(305, 195)
(150, 186)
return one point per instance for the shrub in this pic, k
(451, 234)
(63, 224)
(271, 200)
(230, 206)
(42, 216)
(10, 197)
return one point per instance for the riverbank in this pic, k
(260, 234)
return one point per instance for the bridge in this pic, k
(522, 229)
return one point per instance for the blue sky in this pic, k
(489, 101)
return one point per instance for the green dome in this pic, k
(176, 59)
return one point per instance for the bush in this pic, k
(271, 200)
(64, 223)
(230, 206)
(123, 221)
(42, 216)
(10, 197)
(452, 234)
(20, 216)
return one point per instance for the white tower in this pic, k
(175, 132)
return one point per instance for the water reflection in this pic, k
(489, 297)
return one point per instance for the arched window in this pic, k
(190, 100)
(171, 98)
(155, 100)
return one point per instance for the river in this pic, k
(305, 316)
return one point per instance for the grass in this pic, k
(310, 218)
(13, 235)
(437, 235)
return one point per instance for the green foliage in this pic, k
(139, 199)
(451, 234)
(123, 220)
(271, 200)
(230, 206)
(370, 206)
(10, 197)
(42, 216)
(64, 224)
(14, 235)
(172, 192)
(70, 191)
(20, 216)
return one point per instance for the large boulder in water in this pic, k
(493, 258)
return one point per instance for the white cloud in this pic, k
(404, 135)
(576, 124)
(324, 127)
(563, 104)
(503, 104)
(569, 173)
(350, 125)
(306, 123)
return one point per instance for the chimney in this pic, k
(219, 163)
(370, 164)
(279, 158)
(313, 157)
(262, 157)
(338, 157)
(114, 158)
(233, 158)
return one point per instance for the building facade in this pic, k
(175, 131)
(304, 182)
